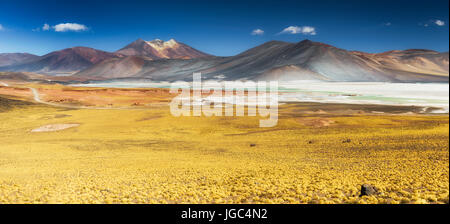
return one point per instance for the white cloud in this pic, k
(1, 27)
(439, 22)
(306, 30)
(258, 32)
(46, 27)
(436, 22)
(64, 27)
(309, 30)
(388, 24)
(292, 30)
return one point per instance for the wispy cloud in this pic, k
(1, 27)
(387, 24)
(45, 27)
(305, 30)
(439, 22)
(436, 22)
(258, 32)
(65, 27)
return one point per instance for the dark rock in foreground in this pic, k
(367, 190)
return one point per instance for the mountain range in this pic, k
(16, 58)
(65, 61)
(275, 60)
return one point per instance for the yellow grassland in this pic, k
(149, 156)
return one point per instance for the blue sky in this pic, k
(223, 27)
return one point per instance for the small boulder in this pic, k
(367, 190)
(347, 141)
(252, 145)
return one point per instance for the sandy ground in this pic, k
(54, 127)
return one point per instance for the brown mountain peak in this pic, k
(157, 49)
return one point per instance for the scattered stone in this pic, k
(367, 190)
(252, 145)
(347, 141)
(310, 142)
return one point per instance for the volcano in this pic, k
(157, 49)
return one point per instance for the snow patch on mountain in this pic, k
(162, 46)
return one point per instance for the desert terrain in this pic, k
(66, 144)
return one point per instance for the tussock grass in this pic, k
(148, 156)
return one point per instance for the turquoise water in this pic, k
(414, 94)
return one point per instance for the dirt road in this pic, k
(36, 96)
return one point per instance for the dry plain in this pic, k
(123, 146)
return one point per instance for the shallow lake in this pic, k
(415, 94)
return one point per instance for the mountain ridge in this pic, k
(274, 60)
(278, 60)
(75, 59)
(66, 61)
(157, 49)
(7, 59)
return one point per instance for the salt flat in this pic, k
(410, 94)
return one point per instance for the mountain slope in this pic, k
(7, 59)
(414, 60)
(318, 61)
(276, 60)
(69, 60)
(147, 68)
(315, 59)
(158, 49)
